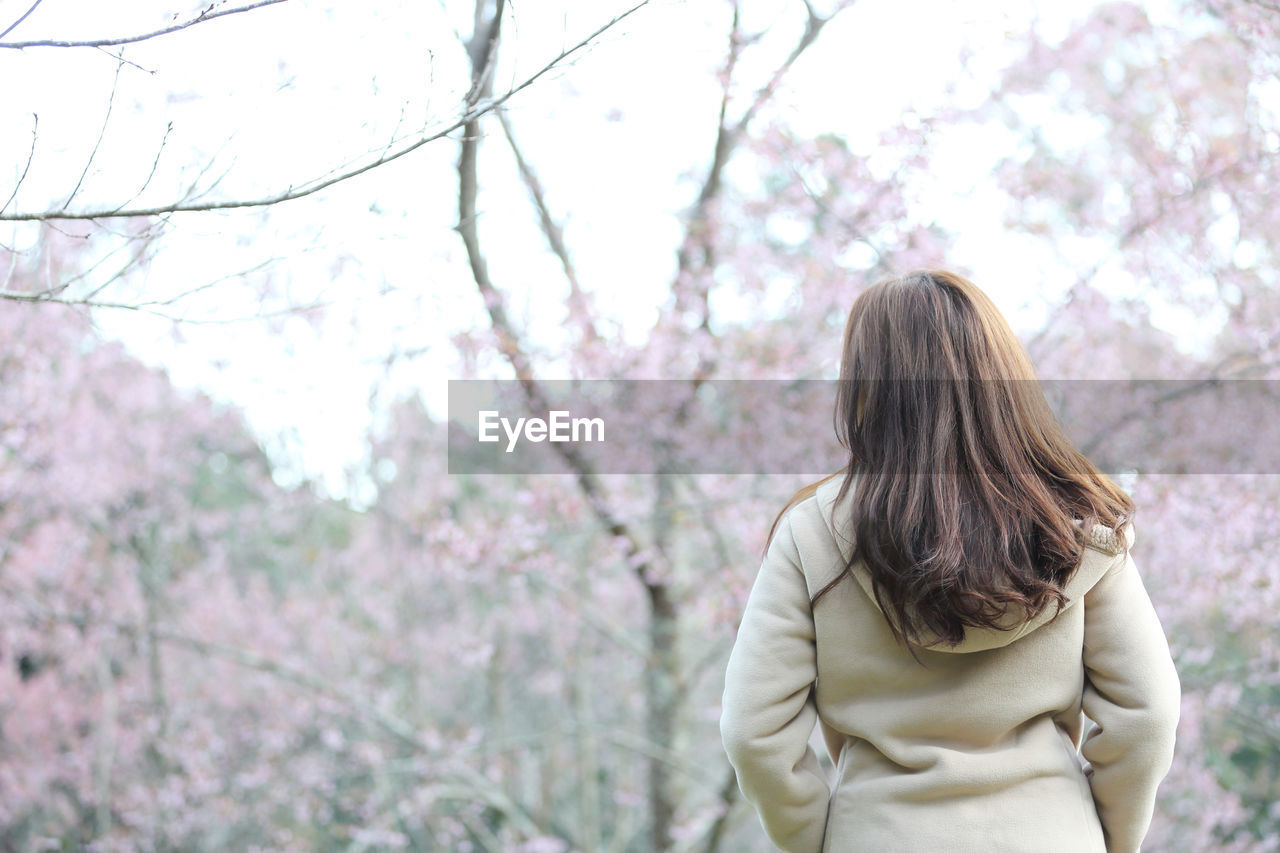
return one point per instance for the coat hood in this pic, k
(1101, 553)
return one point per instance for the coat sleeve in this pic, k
(768, 712)
(1133, 694)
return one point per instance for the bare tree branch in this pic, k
(662, 688)
(812, 29)
(662, 608)
(203, 17)
(153, 306)
(35, 126)
(14, 25)
(550, 229)
(106, 119)
(662, 683)
(696, 250)
(119, 57)
(18, 296)
(509, 339)
(146, 238)
(695, 237)
(476, 108)
(52, 292)
(154, 165)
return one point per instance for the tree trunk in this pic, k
(660, 692)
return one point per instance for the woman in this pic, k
(950, 611)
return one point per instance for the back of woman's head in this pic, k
(969, 499)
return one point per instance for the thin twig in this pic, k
(119, 57)
(14, 25)
(203, 17)
(154, 165)
(21, 296)
(102, 132)
(550, 229)
(728, 136)
(55, 289)
(35, 125)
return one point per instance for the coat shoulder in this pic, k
(812, 539)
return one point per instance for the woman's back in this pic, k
(952, 609)
(972, 749)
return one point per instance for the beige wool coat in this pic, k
(978, 751)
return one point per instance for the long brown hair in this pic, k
(968, 492)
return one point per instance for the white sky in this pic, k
(285, 93)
